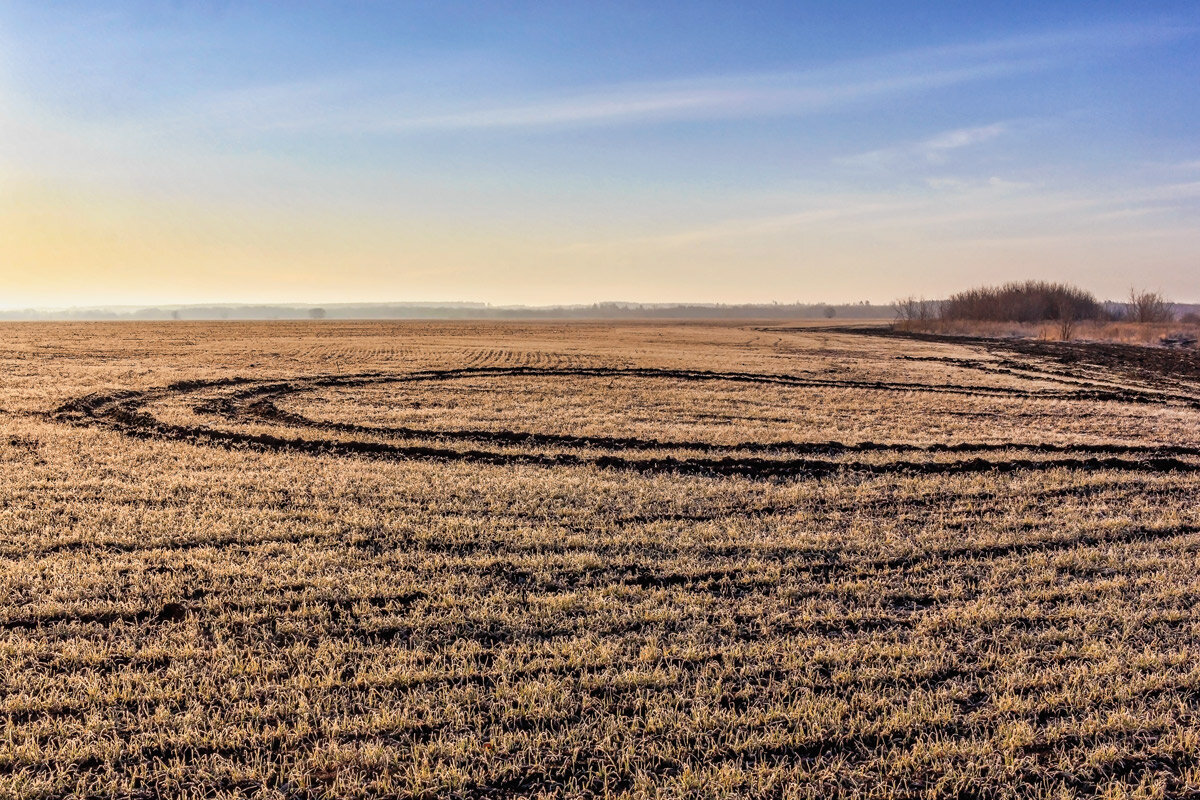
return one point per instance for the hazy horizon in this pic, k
(459, 309)
(518, 154)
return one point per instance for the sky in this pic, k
(572, 152)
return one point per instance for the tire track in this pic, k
(1149, 366)
(267, 411)
(123, 411)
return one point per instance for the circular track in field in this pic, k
(242, 401)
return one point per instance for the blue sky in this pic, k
(573, 152)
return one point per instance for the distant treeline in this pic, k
(1040, 302)
(468, 311)
(1029, 302)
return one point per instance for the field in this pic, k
(586, 560)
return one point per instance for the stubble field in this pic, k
(584, 560)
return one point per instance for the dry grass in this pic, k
(1137, 333)
(774, 585)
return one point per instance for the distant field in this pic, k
(587, 560)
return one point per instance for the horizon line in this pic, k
(468, 305)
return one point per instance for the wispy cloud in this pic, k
(833, 210)
(932, 150)
(360, 103)
(809, 91)
(951, 212)
(956, 184)
(962, 137)
(742, 96)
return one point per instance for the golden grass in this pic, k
(201, 617)
(1137, 333)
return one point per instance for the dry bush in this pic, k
(1146, 306)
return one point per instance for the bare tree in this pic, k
(1066, 311)
(1148, 306)
(1066, 327)
(915, 312)
(905, 309)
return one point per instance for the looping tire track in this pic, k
(123, 411)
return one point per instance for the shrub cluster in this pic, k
(1031, 301)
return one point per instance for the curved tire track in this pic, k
(123, 411)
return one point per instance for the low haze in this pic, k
(569, 153)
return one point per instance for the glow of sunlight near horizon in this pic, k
(523, 153)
